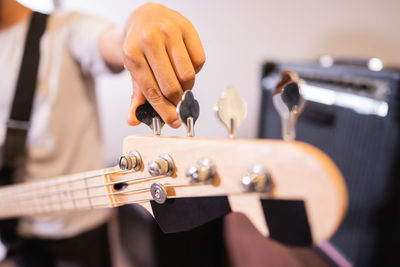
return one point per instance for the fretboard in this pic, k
(76, 192)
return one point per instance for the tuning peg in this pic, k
(289, 102)
(231, 109)
(146, 114)
(188, 110)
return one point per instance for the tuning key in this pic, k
(289, 102)
(188, 110)
(231, 109)
(146, 114)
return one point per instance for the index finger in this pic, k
(144, 78)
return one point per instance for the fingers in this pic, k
(162, 69)
(181, 61)
(194, 46)
(176, 70)
(142, 74)
(162, 51)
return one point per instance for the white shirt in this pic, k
(64, 137)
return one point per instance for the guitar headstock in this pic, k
(291, 191)
(245, 172)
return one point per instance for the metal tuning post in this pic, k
(289, 102)
(132, 161)
(188, 110)
(162, 166)
(231, 110)
(146, 114)
(258, 179)
(203, 172)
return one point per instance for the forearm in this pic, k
(110, 48)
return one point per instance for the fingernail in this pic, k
(176, 124)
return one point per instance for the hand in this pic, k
(162, 52)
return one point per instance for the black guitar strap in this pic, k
(14, 149)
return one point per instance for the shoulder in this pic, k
(64, 21)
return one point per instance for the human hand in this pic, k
(162, 52)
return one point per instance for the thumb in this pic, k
(137, 99)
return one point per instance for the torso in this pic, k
(64, 137)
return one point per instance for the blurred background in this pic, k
(238, 36)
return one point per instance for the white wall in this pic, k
(238, 36)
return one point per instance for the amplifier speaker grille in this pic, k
(365, 148)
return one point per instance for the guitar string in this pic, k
(110, 194)
(51, 202)
(129, 191)
(74, 190)
(88, 197)
(68, 182)
(62, 181)
(16, 188)
(109, 205)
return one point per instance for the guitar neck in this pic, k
(297, 172)
(76, 192)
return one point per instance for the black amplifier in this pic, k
(353, 115)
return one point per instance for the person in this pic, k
(158, 47)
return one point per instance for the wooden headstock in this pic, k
(299, 172)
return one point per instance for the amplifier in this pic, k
(353, 115)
